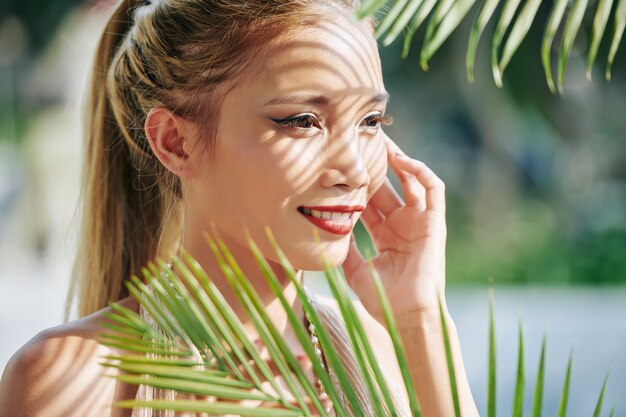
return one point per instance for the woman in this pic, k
(242, 115)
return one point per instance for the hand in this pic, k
(410, 238)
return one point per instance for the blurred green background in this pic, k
(536, 187)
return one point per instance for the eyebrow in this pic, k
(319, 99)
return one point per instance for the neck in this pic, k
(199, 248)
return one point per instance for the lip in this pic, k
(337, 209)
(333, 226)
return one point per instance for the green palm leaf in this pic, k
(445, 16)
(566, 386)
(620, 24)
(538, 395)
(518, 398)
(491, 382)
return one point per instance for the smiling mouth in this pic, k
(333, 219)
(326, 215)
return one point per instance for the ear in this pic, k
(170, 137)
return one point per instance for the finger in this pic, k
(392, 147)
(386, 199)
(371, 217)
(433, 186)
(353, 260)
(413, 191)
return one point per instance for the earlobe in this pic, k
(167, 134)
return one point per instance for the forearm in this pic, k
(423, 339)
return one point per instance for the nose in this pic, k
(345, 165)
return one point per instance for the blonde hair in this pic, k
(172, 53)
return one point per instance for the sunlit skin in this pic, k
(301, 128)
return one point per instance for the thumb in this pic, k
(353, 261)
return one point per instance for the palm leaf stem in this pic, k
(173, 362)
(219, 390)
(201, 406)
(189, 374)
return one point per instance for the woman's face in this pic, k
(299, 138)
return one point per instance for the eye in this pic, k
(374, 120)
(301, 121)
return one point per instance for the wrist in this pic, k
(424, 318)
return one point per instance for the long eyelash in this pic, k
(382, 119)
(386, 120)
(292, 121)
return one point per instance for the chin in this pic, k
(310, 257)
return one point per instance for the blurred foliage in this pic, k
(512, 20)
(39, 17)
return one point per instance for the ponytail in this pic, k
(125, 200)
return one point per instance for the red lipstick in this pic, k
(325, 217)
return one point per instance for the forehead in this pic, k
(334, 57)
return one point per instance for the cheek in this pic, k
(375, 157)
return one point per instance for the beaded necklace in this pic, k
(323, 395)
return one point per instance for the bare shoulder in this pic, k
(58, 373)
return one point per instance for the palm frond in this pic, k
(191, 341)
(443, 18)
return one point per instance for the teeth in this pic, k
(327, 215)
